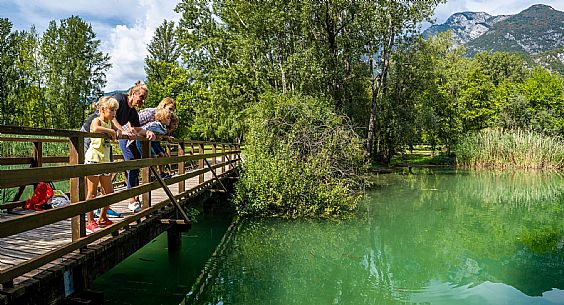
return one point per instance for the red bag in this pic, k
(38, 200)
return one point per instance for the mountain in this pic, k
(537, 32)
(552, 60)
(537, 29)
(465, 26)
(114, 92)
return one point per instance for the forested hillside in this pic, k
(537, 33)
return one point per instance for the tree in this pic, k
(164, 53)
(384, 24)
(74, 70)
(440, 108)
(30, 90)
(544, 93)
(8, 77)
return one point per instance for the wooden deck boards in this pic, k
(27, 245)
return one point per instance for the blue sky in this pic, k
(125, 27)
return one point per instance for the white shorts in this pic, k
(97, 175)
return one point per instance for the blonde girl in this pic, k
(99, 152)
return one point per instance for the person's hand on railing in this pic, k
(167, 138)
(112, 133)
(130, 134)
(150, 135)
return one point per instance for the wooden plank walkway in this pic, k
(27, 245)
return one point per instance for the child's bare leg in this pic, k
(107, 187)
(92, 188)
(90, 216)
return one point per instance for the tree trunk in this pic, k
(370, 138)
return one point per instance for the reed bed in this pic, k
(25, 149)
(506, 149)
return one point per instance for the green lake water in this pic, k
(430, 238)
(152, 276)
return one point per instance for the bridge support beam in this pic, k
(174, 240)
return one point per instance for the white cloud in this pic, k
(127, 45)
(124, 27)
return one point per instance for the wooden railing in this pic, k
(75, 170)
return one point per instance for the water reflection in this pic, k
(484, 293)
(471, 238)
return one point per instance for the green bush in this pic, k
(300, 160)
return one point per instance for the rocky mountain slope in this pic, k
(537, 29)
(537, 32)
(465, 26)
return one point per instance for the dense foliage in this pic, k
(50, 80)
(301, 160)
(441, 96)
(361, 63)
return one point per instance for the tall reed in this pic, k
(499, 148)
(25, 149)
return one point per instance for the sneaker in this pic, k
(105, 223)
(134, 206)
(112, 214)
(97, 213)
(92, 227)
(165, 176)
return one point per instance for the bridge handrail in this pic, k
(35, 220)
(16, 177)
(7, 275)
(64, 133)
(229, 154)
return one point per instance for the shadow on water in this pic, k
(152, 276)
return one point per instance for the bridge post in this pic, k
(145, 172)
(214, 160)
(181, 168)
(37, 162)
(231, 155)
(77, 186)
(191, 154)
(174, 239)
(238, 147)
(37, 154)
(223, 158)
(201, 162)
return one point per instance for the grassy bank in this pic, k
(500, 149)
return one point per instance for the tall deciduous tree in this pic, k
(384, 24)
(74, 70)
(218, 58)
(164, 53)
(8, 76)
(29, 90)
(287, 46)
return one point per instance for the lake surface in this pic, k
(152, 276)
(431, 238)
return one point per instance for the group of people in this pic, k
(115, 116)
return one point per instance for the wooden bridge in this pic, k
(47, 256)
